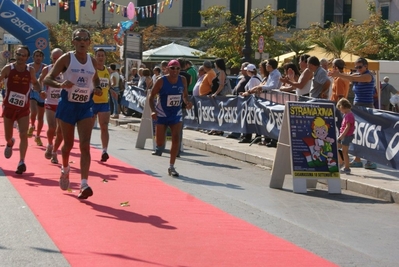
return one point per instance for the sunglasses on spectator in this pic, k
(20, 55)
(358, 67)
(78, 38)
(174, 68)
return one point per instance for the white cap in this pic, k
(250, 67)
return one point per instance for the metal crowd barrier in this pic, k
(279, 97)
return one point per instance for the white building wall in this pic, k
(308, 11)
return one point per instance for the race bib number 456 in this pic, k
(17, 99)
(173, 100)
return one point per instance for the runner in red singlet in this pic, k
(16, 103)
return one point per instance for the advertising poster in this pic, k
(313, 140)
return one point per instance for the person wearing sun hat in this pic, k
(169, 92)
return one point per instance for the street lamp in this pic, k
(247, 50)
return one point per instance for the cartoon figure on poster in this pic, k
(323, 150)
(321, 146)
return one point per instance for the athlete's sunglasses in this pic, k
(20, 55)
(174, 68)
(79, 38)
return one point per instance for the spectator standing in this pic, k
(273, 80)
(210, 74)
(363, 88)
(324, 63)
(305, 79)
(114, 86)
(148, 82)
(387, 90)
(141, 78)
(221, 73)
(134, 77)
(201, 75)
(164, 67)
(194, 77)
(254, 81)
(340, 87)
(346, 133)
(238, 89)
(156, 75)
(183, 71)
(292, 73)
(321, 82)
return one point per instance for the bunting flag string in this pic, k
(148, 11)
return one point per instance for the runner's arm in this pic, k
(186, 100)
(4, 72)
(155, 90)
(36, 85)
(43, 74)
(60, 66)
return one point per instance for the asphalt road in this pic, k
(347, 229)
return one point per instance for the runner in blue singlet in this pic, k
(170, 91)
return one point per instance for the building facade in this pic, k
(184, 13)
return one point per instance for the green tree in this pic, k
(225, 39)
(61, 34)
(297, 44)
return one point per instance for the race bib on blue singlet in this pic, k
(173, 100)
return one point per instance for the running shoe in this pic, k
(172, 172)
(8, 149)
(21, 168)
(104, 157)
(156, 153)
(356, 164)
(30, 131)
(54, 158)
(49, 152)
(38, 141)
(64, 179)
(345, 171)
(370, 166)
(85, 192)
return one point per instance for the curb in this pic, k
(346, 183)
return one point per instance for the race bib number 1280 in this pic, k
(173, 100)
(17, 99)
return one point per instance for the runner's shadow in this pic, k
(207, 163)
(209, 183)
(121, 169)
(125, 215)
(321, 193)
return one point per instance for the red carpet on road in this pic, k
(159, 226)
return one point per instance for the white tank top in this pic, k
(82, 76)
(305, 90)
(53, 94)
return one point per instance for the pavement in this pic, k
(381, 183)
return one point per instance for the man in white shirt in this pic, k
(273, 80)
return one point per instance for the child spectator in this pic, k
(345, 133)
